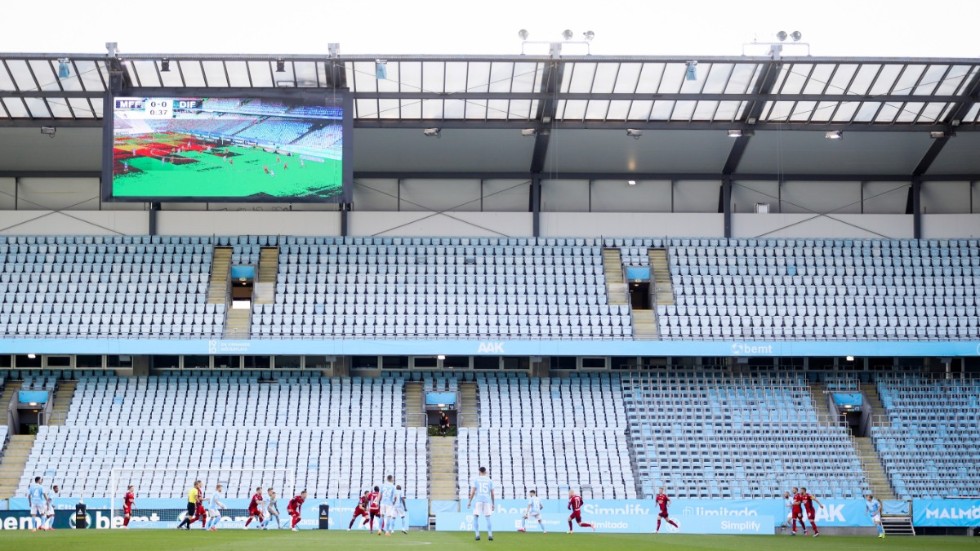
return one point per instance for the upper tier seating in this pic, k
(549, 435)
(338, 435)
(823, 289)
(930, 442)
(706, 435)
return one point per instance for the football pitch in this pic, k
(172, 165)
(153, 540)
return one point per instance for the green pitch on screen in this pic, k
(229, 171)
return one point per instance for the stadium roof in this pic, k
(564, 115)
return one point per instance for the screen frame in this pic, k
(308, 94)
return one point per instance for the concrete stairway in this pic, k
(265, 281)
(612, 265)
(414, 404)
(61, 401)
(879, 415)
(660, 271)
(442, 468)
(818, 393)
(238, 323)
(12, 463)
(645, 325)
(873, 468)
(220, 274)
(469, 405)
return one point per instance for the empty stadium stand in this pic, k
(549, 435)
(711, 435)
(932, 439)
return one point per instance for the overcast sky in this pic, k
(938, 28)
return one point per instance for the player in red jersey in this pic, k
(374, 508)
(295, 508)
(811, 513)
(575, 503)
(796, 512)
(662, 501)
(360, 510)
(128, 505)
(253, 507)
(202, 513)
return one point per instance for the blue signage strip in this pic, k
(491, 347)
(951, 513)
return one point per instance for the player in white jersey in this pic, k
(533, 511)
(788, 502)
(36, 502)
(874, 510)
(214, 505)
(49, 510)
(387, 506)
(273, 511)
(401, 509)
(481, 492)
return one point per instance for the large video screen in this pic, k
(184, 147)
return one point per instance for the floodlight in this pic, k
(280, 66)
(796, 36)
(631, 182)
(634, 133)
(441, 357)
(49, 131)
(936, 134)
(850, 358)
(567, 34)
(165, 66)
(523, 34)
(589, 35)
(781, 35)
(31, 356)
(834, 135)
(63, 70)
(528, 132)
(692, 70)
(734, 133)
(432, 132)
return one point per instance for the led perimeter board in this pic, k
(230, 145)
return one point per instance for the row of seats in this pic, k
(579, 401)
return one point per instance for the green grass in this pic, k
(170, 540)
(214, 176)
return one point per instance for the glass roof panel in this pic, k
(694, 86)
(842, 78)
(454, 108)
(582, 77)
(640, 110)
(408, 77)
(819, 79)
(147, 72)
(37, 107)
(845, 111)
(237, 74)
(3, 110)
(527, 77)
(81, 108)
(6, 83)
(956, 77)
(97, 105)
(743, 78)
(194, 76)
(411, 109)
(595, 110)
(802, 111)
(172, 77)
(673, 78)
(931, 113)
(433, 73)
(501, 76)
(728, 110)
(910, 112)
(888, 112)
(886, 80)
(823, 111)
(661, 110)
(478, 79)
(384, 109)
(780, 110)
(796, 77)
(90, 73)
(705, 110)
(683, 110)
(46, 74)
(306, 74)
(520, 109)
(16, 108)
(863, 79)
(867, 111)
(574, 110)
(365, 109)
(22, 75)
(59, 108)
(476, 109)
(650, 78)
(907, 81)
(717, 78)
(629, 76)
(455, 76)
(497, 109)
(618, 110)
(261, 73)
(973, 113)
(606, 75)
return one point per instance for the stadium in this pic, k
(748, 283)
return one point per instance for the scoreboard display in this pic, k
(270, 146)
